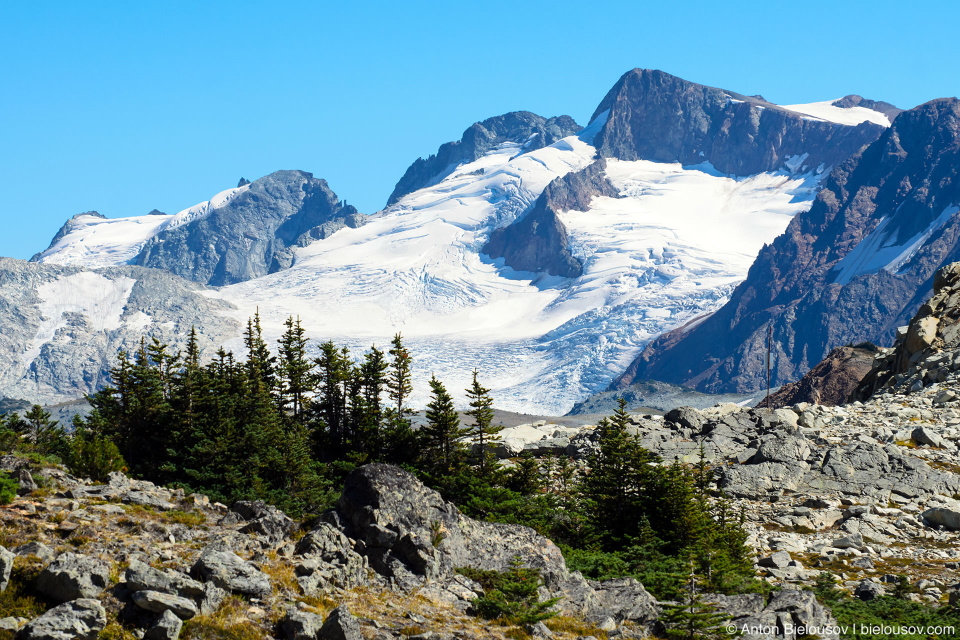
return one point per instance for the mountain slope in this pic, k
(852, 268)
(239, 234)
(63, 325)
(527, 129)
(546, 267)
(652, 115)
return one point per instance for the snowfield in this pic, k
(95, 241)
(851, 116)
(670, 248)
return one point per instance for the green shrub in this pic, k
(8, 488)
(511, 595)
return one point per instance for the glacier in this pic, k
(670, 248)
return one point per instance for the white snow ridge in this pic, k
(672, 247)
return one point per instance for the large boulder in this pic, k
(264, 520)
(166, 628)
(229, 571)
(301, 625)
(158, 602)
(142, 577)
(81, 619)
(787, 608)
(943, 517)
(72, 576)
(407, 530)
(328, 560)
(341, 625)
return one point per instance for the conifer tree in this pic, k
(443, 449)
(260, 362)
(333, 374)
(483, 432)
(693, 618)
(398, 436)
(295, 370)
(368, 408)
(614, 490)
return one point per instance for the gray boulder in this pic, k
(229, 571)
(301, 625)
(943, 517)
(41, 551)
(341, 625)
(868, 590)
(158, 602)
(81, 619)
(140, 576)
(409, 531)
(686, 417)
(27, 485)
(6, 566)
(777, 560)
(852, 541)
(166, 628)
(329, 560)
(72, 576)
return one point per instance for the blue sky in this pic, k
(126, 107)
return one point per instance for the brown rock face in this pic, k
(926, 351)
(907, 179)
(829, 383)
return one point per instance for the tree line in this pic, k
(285, 427)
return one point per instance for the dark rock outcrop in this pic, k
(927, 349)
(521, 127)
(410, 535)
(853, 100)
(653, 115)
(81, 619)
(902, 187)
(73, 576)
(251, 235)
(831, 382)
(538, 241)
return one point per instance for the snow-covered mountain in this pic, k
(601, 240)
(854, 267)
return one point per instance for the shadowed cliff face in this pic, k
(897, 197)
(254, 234)
(655, 116)
(522, 127)
(538, 241)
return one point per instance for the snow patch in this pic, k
(591, 130)
(829, 112)
(882, 249)
(100, 300)
(94, 241)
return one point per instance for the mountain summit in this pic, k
(854, 267)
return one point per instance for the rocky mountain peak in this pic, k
(519, 127)
(243, 182)
(252, 233)
(853, 100)
(652, 115)
(852, 268)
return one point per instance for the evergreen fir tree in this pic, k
(296, 381)
(693, 618)
(398, 436)
(443, 451)
(484, 434)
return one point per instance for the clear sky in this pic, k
(123, 107)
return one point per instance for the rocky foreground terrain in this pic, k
(869, 491)
(128, 559)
